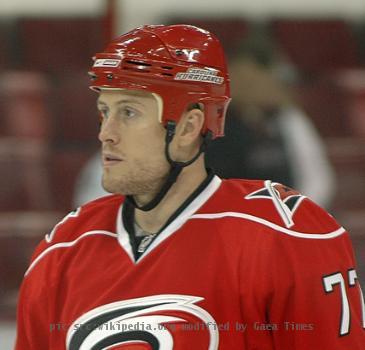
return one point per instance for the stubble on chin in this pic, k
(141, 181)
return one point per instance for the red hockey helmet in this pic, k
(183, 64)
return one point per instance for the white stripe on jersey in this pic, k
(68, 244)
(326, 235)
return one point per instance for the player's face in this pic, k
(132, 142)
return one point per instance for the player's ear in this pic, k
(190, 126)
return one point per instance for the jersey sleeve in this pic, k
(38, 293)
(38, 323)
(304, 285)
(32, 312)
(316, 300)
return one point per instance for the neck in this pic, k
(188, 180)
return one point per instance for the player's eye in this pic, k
(128, 112)
(103, 112)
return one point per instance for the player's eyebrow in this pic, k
(119, 102)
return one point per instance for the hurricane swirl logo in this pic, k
(159, 322)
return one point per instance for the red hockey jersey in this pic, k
(249, 265)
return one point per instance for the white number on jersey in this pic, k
(330, 282)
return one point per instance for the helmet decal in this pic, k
(196, 74)
(105, 62)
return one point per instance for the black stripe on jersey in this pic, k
(126, 337)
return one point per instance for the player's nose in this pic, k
(109, 131)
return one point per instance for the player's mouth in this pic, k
(111, 159)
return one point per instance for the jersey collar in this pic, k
(200, 196)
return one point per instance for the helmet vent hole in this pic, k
(92, 76)
(138, 63)
(167, 74)
(167, 67)
(137, 69)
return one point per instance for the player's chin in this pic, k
(109, 184)
(115, 185)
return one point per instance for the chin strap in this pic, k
(175, 170)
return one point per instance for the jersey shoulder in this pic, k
(274, 205)
(100, 214)
(98, 217)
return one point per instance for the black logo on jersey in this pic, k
(139, 321)
(285, 199)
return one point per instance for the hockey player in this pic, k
(177, 258)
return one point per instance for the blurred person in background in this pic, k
(268, 135)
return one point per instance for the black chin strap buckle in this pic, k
(170, 131)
